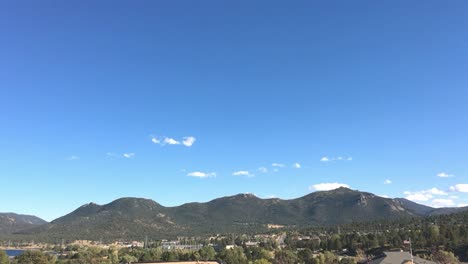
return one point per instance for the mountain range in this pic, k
(134, 218)
(11, 223)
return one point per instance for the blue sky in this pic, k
(377, 88)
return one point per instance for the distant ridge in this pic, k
(129, 218)
(11, 222)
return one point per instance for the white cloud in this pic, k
(171, 141)
(279, 165)
(243, 173)
(420, 197)
(423, 196)
(384, 196)
(297, 165)
(462, 205)
(462, 187)
(324, 159)
(436, 191)
(263, 170)
(339, 158)
(128, 155)
(444, 175)
(188, 141)
(200, 174)
(387, 181)
(327, 186)
(73, 158)
(442, 203)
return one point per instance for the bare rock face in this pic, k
(362, 200)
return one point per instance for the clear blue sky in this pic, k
(379, 88)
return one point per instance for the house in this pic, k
(397, 257)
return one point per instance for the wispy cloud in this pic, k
(462, 187)
(297, 165)
(188, 141)
(128, 155)
(171, 141)
(278, 165)
(243, 173)
(442, 203)
(387, 181)
(444, 175)
(199, 174)
(111, 155)
(423, 196)
(263, 170)
(324, 159)
(73, 157)
(327, 186)
(340, 158)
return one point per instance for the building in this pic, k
(398, 258)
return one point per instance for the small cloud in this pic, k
(111, 155)
(423, 196)
(384, 196)
(199, 174)
(73, 158)
(436, 191)
(460, 188)
(324, 159)
(188, 141)
(243, 173)
(263, 170)
(339, 158)
(297, 165)
(387, 181)
(442, 203)
(462, 205)
(171, 141)
(327, 186)
(128, 155)
(278, 165)
(444, 175)
(419, 197)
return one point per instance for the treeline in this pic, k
(237, 255)
(428, 235)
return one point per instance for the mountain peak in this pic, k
(136, 217)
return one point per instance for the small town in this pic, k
(233, 132)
